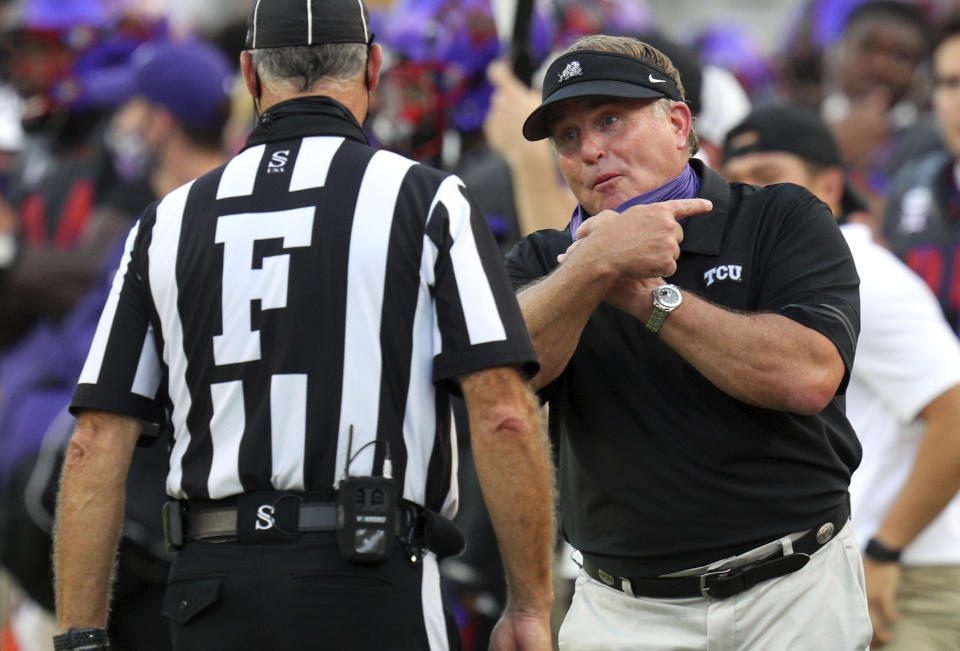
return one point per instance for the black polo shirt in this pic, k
(659, 469)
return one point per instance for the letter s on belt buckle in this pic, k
(704, 588)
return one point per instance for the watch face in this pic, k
(668, 296)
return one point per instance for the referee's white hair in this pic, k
(300, 68)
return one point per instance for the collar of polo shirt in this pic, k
(591, 73)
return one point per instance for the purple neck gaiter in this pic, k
(685, 186)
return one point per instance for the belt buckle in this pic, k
(704, 588)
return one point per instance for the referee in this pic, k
(298, 319)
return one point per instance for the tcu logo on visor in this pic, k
(572, 70)
(724, 272)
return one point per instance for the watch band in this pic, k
(879, 552)
(657, 317)
(82, 639)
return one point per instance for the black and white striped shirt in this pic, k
(311, 284)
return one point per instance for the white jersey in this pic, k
(906, 356)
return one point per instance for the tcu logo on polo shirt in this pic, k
(724, 272)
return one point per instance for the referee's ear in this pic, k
(374, 64)
(250, 74)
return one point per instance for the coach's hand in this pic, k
(882, 579)
(512, 101)
(522, 631)
(642, 241)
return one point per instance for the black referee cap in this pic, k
(288, 23)
(789, 129)
(592, 73)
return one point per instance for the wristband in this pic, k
(879, 552)
(82, 639)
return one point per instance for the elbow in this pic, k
(808, 389)
(810, 400)
(81, 450)
(810, 396)
(512, 423)
(508, 425)
(101, 443)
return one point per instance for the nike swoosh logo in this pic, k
(654, 80)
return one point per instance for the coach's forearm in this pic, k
(766, 360)
(556, 310)
(89, 517)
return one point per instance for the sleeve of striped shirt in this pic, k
(478, 323)
(123, 372)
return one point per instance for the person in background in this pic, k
(922, 221)
(60, 59)
(435, 96)
(903, 399)
(175, 123)
(874, 93)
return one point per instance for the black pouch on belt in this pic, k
(366, 518)
(443, 537)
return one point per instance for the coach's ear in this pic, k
(681, 121)
(250, 78)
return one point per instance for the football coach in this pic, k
(695, 339)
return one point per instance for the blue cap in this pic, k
(191, 79)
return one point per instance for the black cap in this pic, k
(792, 130)
(288, 23)
(590, 73)
(789, 129)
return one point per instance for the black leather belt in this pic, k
(265, 516)
(720, 584)
(204, 522)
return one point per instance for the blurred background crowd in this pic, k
(106, 105)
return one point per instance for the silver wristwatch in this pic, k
(666, 298)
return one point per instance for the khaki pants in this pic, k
(929, 605)
(822, 607)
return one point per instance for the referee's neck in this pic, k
(351, 94)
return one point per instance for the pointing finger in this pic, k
(688, 207)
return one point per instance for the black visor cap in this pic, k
(589, 73)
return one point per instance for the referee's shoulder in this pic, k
(419, 169)
(421, 177)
